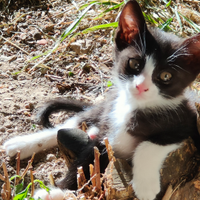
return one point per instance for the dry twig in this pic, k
(97, 168)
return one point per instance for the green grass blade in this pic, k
(75, 23)
(109, 9)
(150, 19)
(102, 26)
(97, 27)
(169, 3)
(165, 26)
(195, 26)
(42, 185)
(67, 32)
(40, 55)
(106, 3)
(178, 18)
(15, 176)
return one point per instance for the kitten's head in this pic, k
(151, 65)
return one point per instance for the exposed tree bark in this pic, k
(180, 175)
(180, 172)
(117, 180)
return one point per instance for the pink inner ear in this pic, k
(129, 28)
(131, 22)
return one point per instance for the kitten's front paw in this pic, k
(16, 144)
(20, 143)
(146, 189)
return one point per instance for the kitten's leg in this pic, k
(36, 142)
(147, 162)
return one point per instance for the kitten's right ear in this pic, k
(132, 26)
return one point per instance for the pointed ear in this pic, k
(193, 44)
(191, 49)
(131, 25)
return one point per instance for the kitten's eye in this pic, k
(165, 76)
(134, 64)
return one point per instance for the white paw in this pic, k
(146, 189)
(28, 144)
(55, 194)
(20, 143)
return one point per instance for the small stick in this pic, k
(32, 181)
(28, 166)
(84, 127)
(109, 150)
(7, 182)
(51, 179)
(2, 178)
(97, 168)
(195, 2)
(81, 177)
(92, 174)
(101, 197)
(17, 168)
(3, 192)
(116, 163)
(15, 45)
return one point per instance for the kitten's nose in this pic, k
(142, 88)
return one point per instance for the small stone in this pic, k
(2, 129)
(81, 46)
(21, 77)
(37, 36)
(17, 107)
(29, 106)
(49, 27)
(51, 157)
(8, 126)
(42, 42)
(10, 130)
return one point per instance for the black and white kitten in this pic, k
(148, 112)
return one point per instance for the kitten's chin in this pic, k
(140, 95)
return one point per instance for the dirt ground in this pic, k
(79, 71)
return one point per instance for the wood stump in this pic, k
(180, 176)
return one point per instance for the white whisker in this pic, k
(179, 67)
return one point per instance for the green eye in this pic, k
(134, 64)
(165, 76)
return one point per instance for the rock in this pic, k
(81, 46)
(37, 35)
(21, 77)
(8, 125)
(29, 106)
(2, 129)
(10, 130)
(50, 157)
(49, 27)
(42, 42)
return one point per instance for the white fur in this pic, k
(93, 131)
(54, 194)
(148, 160)
(150, 99)
(36, 142)
(128, 100)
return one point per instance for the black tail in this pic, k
(58, 105)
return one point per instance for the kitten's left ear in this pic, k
(131, 26)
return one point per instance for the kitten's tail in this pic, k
(58, 105)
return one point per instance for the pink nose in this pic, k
(141, 88)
